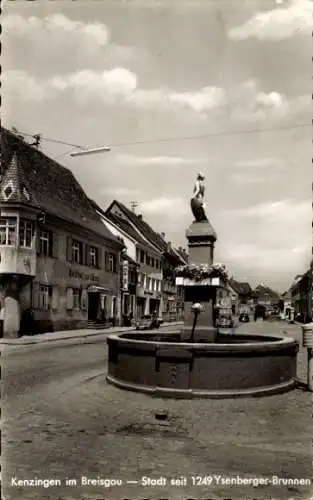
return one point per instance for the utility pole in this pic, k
(133, 205)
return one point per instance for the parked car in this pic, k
(148, 322)
(225, 322)
(244, 318)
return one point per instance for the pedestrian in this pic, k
(234, 325)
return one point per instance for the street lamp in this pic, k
(103, 149)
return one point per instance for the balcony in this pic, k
(17, 260)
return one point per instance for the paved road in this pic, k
(61, 420)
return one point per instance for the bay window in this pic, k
(8, 228)
(26, 231)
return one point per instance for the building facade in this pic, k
(59, 266)
(301, 297)
(156, 291)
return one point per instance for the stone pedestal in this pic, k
(201, 238)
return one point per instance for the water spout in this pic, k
(196, 308)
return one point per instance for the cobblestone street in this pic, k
(61, 420)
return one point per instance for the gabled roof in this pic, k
(51, 187)
(261, 291)
(140, 224)
(240, 288)
(128, 229)
(143, 227)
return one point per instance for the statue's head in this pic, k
(200, 177)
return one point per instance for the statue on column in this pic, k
(196, 202)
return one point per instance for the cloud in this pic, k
(267, 259)
(282, 209)
(119, 86)
(206, 99)
(119, 191)
(110, 86)
(248, 103)
(133, 160)
(260, 164)
(164, 206)
(56, 25)
(58, 41)
(277, 24)
(245, 179)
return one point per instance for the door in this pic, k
(93, 305)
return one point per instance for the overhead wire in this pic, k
(225, 133)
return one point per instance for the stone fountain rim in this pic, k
(278, 343)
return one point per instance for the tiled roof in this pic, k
(240, 288)
(143, 227)
(14, 187)
(128, 229)
(261, 291)
(52, 187)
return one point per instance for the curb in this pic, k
(19, 342)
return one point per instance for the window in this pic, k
(147, 260)
(45, 293)
(46, 243)
(8, 231)
(157, 263)
(152, 262)
(26, 234)
(142, 256)
(77, 252)
(137, 255)
(93, 257)
(112, 263)
(76, 299)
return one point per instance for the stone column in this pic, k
(201, 238)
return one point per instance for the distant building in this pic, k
(301, 293)
(265, 296)
(241, 295)
(59, 265)
(287, 307)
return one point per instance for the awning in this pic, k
(95, 288)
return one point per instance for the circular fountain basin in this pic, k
(235, 365)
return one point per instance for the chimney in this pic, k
(163, 236)
(139, 216)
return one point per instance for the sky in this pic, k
(221, 87)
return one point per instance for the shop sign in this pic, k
(125, 275)
(85, 277)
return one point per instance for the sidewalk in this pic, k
(73, 334)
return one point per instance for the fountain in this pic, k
(198, 361)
